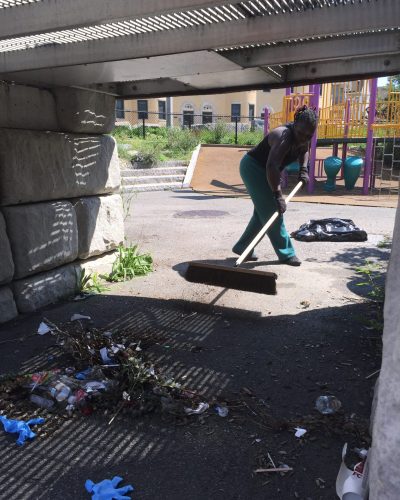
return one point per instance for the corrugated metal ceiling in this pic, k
(174, 21)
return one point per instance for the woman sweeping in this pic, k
(261, 170)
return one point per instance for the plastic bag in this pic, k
(333, 229)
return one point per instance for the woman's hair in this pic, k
(306, 114)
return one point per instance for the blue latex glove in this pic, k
(21, 427)
(107, 490)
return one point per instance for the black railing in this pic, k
(221, 125)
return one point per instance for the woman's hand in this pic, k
(280, 201)
(303, 176)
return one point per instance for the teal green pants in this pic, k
(255, 180)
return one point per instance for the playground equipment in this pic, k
(332, 166)
(349, 113)
(352, 170)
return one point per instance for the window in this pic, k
(207, 117)
(120, 109)
(162, 106)
(235, 112)
(143, 109)
(188, 117)
(251, 111)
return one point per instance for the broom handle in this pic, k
(266, 227)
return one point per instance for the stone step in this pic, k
(141, 172)
(151, 187)
(152, 179)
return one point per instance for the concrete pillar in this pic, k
(384, 477)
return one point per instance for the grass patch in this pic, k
(129, 264)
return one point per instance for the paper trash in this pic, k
(43, 329)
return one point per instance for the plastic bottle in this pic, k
(327, 405)
(60, 391)
(42, 402)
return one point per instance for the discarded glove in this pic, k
(21, 427)
(107, 489)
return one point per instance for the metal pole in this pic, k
(313, 150)
(144, 127)
(168, 106)
(347, 114)
(266, 121)
(370, 135)
(236, 129)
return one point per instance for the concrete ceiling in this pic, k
(158, 47)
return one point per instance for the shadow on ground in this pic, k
(285, 362)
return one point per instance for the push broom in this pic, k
(237, 278)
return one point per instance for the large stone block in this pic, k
(27, 108)
(39, 166)
(100, 224)
(6, 260)
(101, 264)
(42, 236)
(84, 111)
(43, 289)
(8, 309)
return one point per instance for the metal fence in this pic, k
(228, 127)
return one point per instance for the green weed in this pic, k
(129, 264)
(91, 283)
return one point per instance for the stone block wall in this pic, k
(60, 208)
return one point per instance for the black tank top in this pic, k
(262, 150)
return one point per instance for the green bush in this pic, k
(148, 153)
(181, 140)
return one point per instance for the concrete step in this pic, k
(141, 172)
(151, 187)
(152, 179)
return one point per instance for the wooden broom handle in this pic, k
(266, 227)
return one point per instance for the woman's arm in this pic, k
(280, 142)
(303, 172)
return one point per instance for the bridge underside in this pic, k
(139, 49)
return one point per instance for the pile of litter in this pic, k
(331, 229)
(102, 371)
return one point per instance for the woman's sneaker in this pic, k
(292, 261)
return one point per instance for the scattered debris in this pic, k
(44, 328)
(372, 374)
(20, 427)
(223, 411)
(327, 405)
(201, 408)
(305, 304)
(352, 482)
(107, 489)
(284, 468)
(300, 432)
(79, 317)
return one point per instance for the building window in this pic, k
(188, 118)
(120, 109)
(207, 117)
(143, 109)
(251, 111)
(235, 112)
(162, 106)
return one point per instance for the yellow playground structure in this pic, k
(353, 113)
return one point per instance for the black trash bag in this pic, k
(332, 229)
